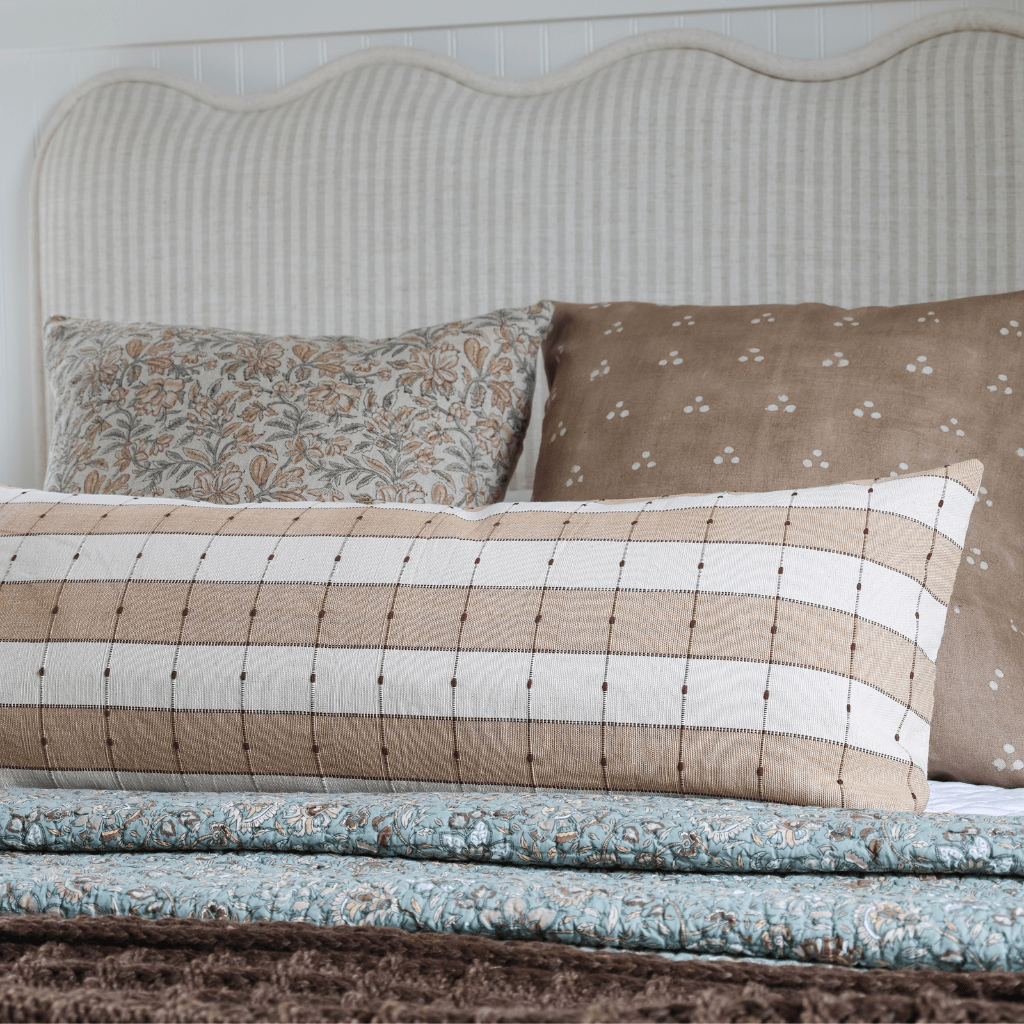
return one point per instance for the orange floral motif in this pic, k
(435, 367)
(158, 396)
(435, 415)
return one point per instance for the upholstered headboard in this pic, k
(396, 188)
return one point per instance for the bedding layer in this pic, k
(863, 888)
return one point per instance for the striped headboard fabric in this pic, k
(395, 188)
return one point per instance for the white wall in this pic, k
(240, 46)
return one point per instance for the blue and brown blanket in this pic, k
(685, 876)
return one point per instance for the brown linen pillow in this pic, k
(433, 415)
(652, 399)
(162, 644)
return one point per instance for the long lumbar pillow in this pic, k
(776, 646)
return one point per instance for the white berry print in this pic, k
(924, 319)
(618, 410)
(764, 317)
(913, 367)
(1000, 763)
(559, 431)
(673, 357)
(982, 497)
(1014, 328)
(687, 321)
(971, 559)
(615, 327)
(645, 461)
(729, 458)
(952, 426)
(903, 468)
(697, 406)
(868, 411)
(840, 360)
(847, 321)
(755, 352)
(993, 684)
(789, 407)
(601, 370)
(1002, 386)
(579, 479)
(816, 455)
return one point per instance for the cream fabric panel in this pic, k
(392, 196)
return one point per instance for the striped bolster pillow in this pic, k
(776, 646)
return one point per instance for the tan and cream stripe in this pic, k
(549, 646)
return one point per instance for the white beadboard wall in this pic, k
(49, 46)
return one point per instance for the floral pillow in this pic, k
(435, 415)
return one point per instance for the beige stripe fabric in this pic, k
(777, 645)
(387, 196)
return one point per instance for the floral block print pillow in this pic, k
(435, 415)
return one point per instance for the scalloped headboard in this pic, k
(395, 188)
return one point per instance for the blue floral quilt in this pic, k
(667, 874)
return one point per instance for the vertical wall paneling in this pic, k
(478, 47)
(796, 34)
(754, 27)
(846, 26)
(33, 81)
(567, 41)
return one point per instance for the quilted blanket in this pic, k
(683, 876)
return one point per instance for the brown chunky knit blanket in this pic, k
(126, 969)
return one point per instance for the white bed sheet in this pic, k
(964, 798)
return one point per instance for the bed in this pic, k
(396, 187)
